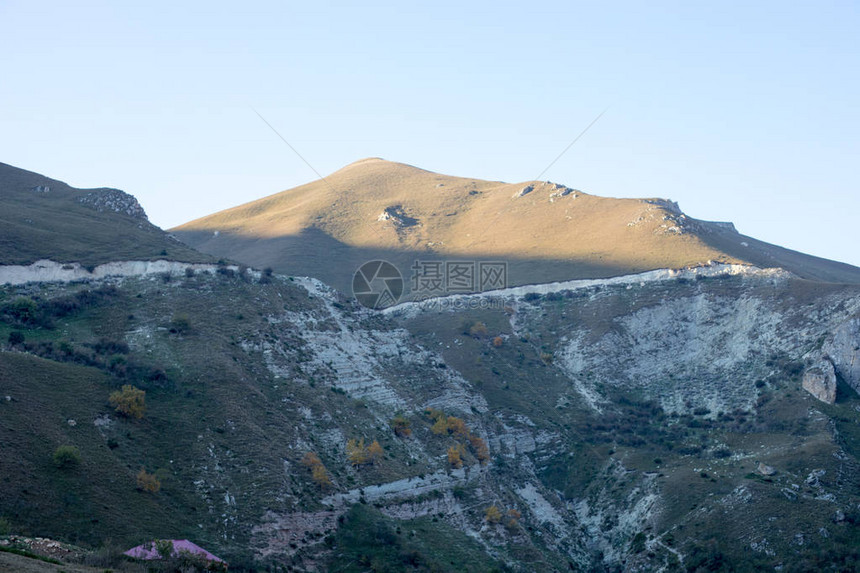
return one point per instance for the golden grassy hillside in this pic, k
(380, 209)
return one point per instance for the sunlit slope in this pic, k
(380, 209)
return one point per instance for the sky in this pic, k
(743, 112)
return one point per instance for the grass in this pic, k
(217, 422)
(225, 435)
(698, 460)
(327, 230)
(367, 540)
(30, 554)
(56, 226)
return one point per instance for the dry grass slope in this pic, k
(380, 209)
(41, 218)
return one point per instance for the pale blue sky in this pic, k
(741, 112)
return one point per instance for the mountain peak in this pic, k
(379, 209)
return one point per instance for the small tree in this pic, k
(513, 518)
(454, 456)
(148, 482)
(374, 452)
(318, 472)
(23, 310)
(401, 427)
(480, 449)
(498, 341)
(356, 452)
(441, 426)
(130, 401)
(493, 514)
(434, 414)
(457, 426)
(478, 330)
(320, 476)
(66, 457)
(164, 547)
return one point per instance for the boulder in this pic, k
(764, 469)
(843, 348)
(820, 381)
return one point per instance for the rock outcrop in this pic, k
(764, 469)
(47, 271)
(397, 216)
(524, 191)
(820, 381)
(114, 200)
(844, 351)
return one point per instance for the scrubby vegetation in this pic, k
(359, 454)
(66, 457)
(148, 482)
(367, 541)
(129, 401)
(319, 473)
(401, 426)
(243, 436)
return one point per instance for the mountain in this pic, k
(42, 218)
(376, 209)
(678, 419)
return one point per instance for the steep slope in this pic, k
(546, 232)
(623, 421)
(41, 218)
(654, 421)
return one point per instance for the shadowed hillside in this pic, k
(41, 218)
(600, 425)
(547, 231)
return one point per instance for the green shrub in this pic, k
(5, 526)
(66, 457)
(164, 547)
(26, 312)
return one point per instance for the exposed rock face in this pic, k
(524, 191)
(727, 225)
(844, 351)
(114, 200)
(397, 216)
(667, 204)
(559, 191)
(820, 381)
(51, 271)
